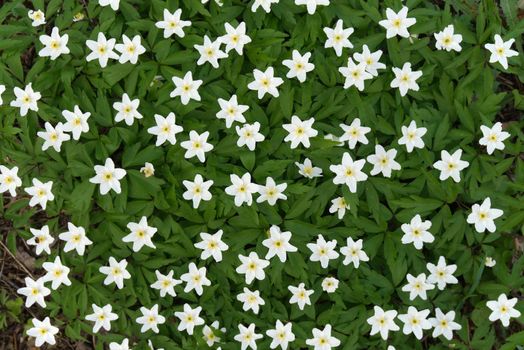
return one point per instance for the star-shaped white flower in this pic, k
(278, 243)
(397, 23)
(493, 138)
(281, 335)
(37, 17)
(53, 136)
(210, 52)
(355, 74)
(9, 180)
(150, 319)
(299, 66)
(231, 111)
(197, 190)
(349, 172)
(338, 37)
(323, 251)
(130, 49)
(251, 300)
(242, 189)
(209, 334)
(448, 40)
(75, 238)
(501, 51)
(56, 273)
(189, 318)
(235, 38)
(353, 252)
(329, 284)
(383, 161)
(26, 99)
(43, 332)
(172, 24)
(141, 234)
(34, 291)
(443, 324)
(371, 59)
(339, 206)
(417, 286)
(197, 145)
(252, 267)
(441, 274)
(300, 295)
(483, 216)
(102, 317)
(148, 169)
(265, 82)
(300, 131)
(186, 88)
(101, 50)
(108, 177)
(307, 169)
(271, 192)
(54, 45)
(322, 339)
(382, 322)
(415, 321)
(40, 193)
(41, 240)
(249, 135)
(195, 278)
(212, 245)
(165, 283)
(116, 272)
(127, 110)
(412, 136)
(76, 122)
(165, 129)
(450, 165)
(247, 337)
(416, 232)
(503, 309)
(354, 133)
(405, 79)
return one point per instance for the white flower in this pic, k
(122, 346)
(210, 52)
(197, 145)
(441, 274)
(198, 190)
(299, 66)
(355, 74)
(371, 60)
(338, 37)
(271, 192)
(483, 216)
(186, 88)
(56, 273)
(329, 284)
(339, 206)
(209, 335)
(412, 136)
(493, 138)
(443, 324)
(189, 318)
(397, 23)
(450, 165)
(116, 272)
(247, 337)
(140, 235)
(353, 252)
(102, 317)
(40, 192)
(108, 177)
(9, 180)
(130, 49)
(102, 50)
(148, 169)
(405, 79)
(251, 300)
(415, 321)
(37, 17)
(278, 244)
(323, 251)
(265, 82)
(150, 319)
(212, 245)
(76, 122)
(165, 129)
(300, 295)
(235, 38)
(55, 45)
(195, 278)
(354, 133)
(34, 291)
(172, 24)
(249, 135)
(300, 131)
(265, 4)
(252, 266)
(416, 232)
(43, 332)
(53, 136)
(503, 309)
(113, 3)
(75, 238)
(231, 111)
(307, 169)
(383, 161)
(490, 262)
(448, 40)
(417, 286)
(322, 339)
(26, 99)
(2, 90)
(281, 335)
(382, 322)
(242, 189)
(312, 4)
(501, 51)
(165, 283)
(127, 110)
(349, 172)
(41, 239)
